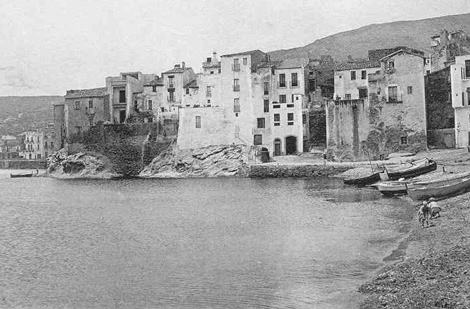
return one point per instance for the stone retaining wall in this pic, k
(281, 171)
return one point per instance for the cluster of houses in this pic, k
(398, 99)
(30, 145)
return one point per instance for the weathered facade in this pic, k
(81, 110)
(460, 83)
(174, 81)
(38, 144)
(446, 46)
(379, 106)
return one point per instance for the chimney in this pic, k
(214, 56)
(177, 66)
(208, 60)
(183, 64)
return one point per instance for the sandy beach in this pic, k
(434, 272)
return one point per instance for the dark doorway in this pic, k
(122, 116)
(291, 145)
(277, 147)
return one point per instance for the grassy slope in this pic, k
(415, 34)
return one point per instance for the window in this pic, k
(212, 72)
(236, 65)
(290, 119)
(363, 74)
(266, 88)
(277, 119)
(38, 156)
(409, 90)
(245, 61)
(79, 129)
(312, 84)
(236, 105)
(236, 84)
(187, 90)
(463, 98)
(347, 96)
(77, 104)
(393, 94)
(149, 104)
(266, 106)
(282, 80)
(52, 145)
(154, 88)
(282, 98)
(391, 64)
(304, 119)
(171, 82)
(294, 80)
(171, 97)
(363, 93)
(353, 75)
(467, 68)
(90, 103)
(257, 139)
(208, 92)
(404, 140)
(198, 122)
(261, 123)
(90, 121)
(122, 96)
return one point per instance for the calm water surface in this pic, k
(191, 243)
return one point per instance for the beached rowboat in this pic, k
(448, 186)
(363, 181)
(417, 168)
(392, 187)
(21, 175)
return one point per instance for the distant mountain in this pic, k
(19, 114)
(415, 34)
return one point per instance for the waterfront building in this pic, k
(174, 83)
(11, 146)
(80, 110)
(379, 105)
(125, 94)
(460, 94)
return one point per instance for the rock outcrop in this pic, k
(79, 165)
(211, 161)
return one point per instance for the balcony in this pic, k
(349, 102)
(395, 99)
(171, 85)
(236, 67)
(236, 87)
(281, 85)
(294, 84)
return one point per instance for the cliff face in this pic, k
(211, 161)
(80, 165)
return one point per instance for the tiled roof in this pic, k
(293, 63)
(343, 66)
(191, 84)
(407, 50)
(251, 52)
(86, 93)
(155, 82)
(177, 70)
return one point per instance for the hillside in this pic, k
(414, 34)
(18, 114)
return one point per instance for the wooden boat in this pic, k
(393, 187)
(447, 186)
(363, 181)
(417, 168)
(21, 175)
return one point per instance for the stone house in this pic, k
(445, 46)
(125, 94)
(81, 110)
(379, 105)
(174, 81)
(460, 94)
(263, 104)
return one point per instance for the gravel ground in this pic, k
(436, 270)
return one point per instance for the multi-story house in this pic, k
(125, 94)
(263, 104)
(379, 105)
(10, 146)
(460, 94)
(80, 111)
(34, 145)
(174, 81)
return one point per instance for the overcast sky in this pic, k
(49, 46)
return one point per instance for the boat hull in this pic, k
(392, 188)
(21, 175)
(439, 188)
(363, 181)
(411, 172)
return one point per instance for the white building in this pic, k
(460, 89)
